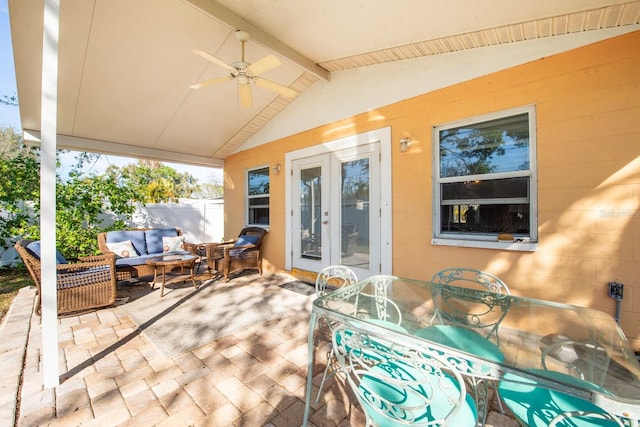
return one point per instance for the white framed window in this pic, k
(485, 181)
(257, 202)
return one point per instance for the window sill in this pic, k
(482, 244)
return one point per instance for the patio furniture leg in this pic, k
(307, 401)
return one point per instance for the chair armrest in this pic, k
(105, 252)
(222, 249)
(212, 249)
(98, 258)
(229, 248)
(192, 247)
(88, 263)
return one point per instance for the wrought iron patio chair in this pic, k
(468, 320)
(375, 307)
(536, 405)
(378, 307)
(586, 360)
(484, 315)
(90, 283)
(328, 280)
(398, 384)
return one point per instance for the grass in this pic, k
(11, 281)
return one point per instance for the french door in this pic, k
(335, 210)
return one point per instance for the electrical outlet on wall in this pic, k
(615, 290)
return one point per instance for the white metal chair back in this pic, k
(398, 384)
(481, 312)
(334, 277)
(471, 278)
(386, 310)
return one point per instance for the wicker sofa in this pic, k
(146, 243)
(90, 283)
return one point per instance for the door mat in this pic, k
(300, 287)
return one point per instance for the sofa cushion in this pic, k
(136, 236)
(34, 248)
(133, 261)
(123, 249)
(154, 238)
(141, 260)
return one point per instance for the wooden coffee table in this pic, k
(164, 264)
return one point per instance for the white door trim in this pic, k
(383, 136)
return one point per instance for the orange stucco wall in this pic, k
(588, 144)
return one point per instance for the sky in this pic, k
(10, 115)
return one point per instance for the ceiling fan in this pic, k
(246, 73)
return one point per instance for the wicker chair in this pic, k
(244, 252)
(87, 284)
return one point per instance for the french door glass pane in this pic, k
(355, 213)
(311, 213)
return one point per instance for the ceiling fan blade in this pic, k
(275, 87)
(265, 64)
(244, 91)
(211, 82)
(213, 59)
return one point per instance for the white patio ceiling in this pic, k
(126, 66)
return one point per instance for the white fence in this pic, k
(199, 220)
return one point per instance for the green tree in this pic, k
(81, 204)
(157, 182)
(20, 188)
(209, 190)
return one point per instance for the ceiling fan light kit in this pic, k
(245, 73)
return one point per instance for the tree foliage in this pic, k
(20, 189)
(86, 204)
(158, 183)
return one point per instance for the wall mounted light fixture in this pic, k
(404, 144)
(276, 168)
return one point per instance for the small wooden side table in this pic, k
(164, 264)
(214, 252)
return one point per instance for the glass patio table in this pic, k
(548, 344)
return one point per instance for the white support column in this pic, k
(49, 129)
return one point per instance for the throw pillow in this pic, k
(123, 249)
(173, 244)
